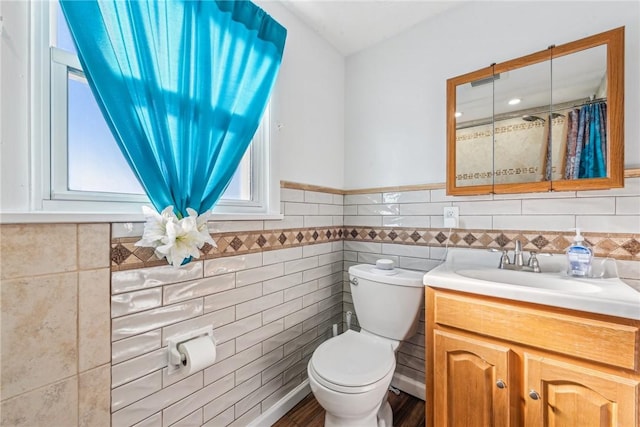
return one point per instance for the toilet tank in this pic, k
(387, 302)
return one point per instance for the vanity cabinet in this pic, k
(493, 362)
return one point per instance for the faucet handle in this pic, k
(533, 262)
(504, 259)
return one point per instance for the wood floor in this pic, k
(408, 411)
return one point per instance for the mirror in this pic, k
(549, 121)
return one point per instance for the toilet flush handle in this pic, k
(354, 281)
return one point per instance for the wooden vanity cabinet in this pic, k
(498, 363)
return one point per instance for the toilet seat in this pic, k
(352, 362)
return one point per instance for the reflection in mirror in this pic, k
(580, 103)
(474, 132)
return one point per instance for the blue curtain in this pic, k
(182, 85)
(593, 160)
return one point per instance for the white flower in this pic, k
(177, 240)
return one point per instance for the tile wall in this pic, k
(55, 352)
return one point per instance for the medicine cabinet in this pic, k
(549, 121)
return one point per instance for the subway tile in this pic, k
(129, 348)
(51, 248)
(419, 264)
(198, 288)
(230, 398)
(289, 221)
(300, 316)
(379, 209)
(223, 351)
(232, 297)
(200, 398)
(542, 195)
(293, 208)
(291, 195)
(330, 210)
(271, 400)
(94, 241)
(319, 318)
(126, 229)
(631, 188)
(328, 300)
(215, 319)
(591, 205)
(411, 362)
(418, 196)
(282, 255)
(39, 326)
(362, 199)
(325, 281)
(318, 197)
(318, 221)
(440, 195)
(281, 311)
(249, 370)
(138, 367)
(408, 209)
(608, 223)
(133, 302)
(235, 329)
(330, 258)
(317, 249)
(132, 280)
(350, 210)
(296, 369)
(282, 338)
(300, 265)
(315, 273)
(247, 277)
(337, 246)
(155, 402)
(362, 221)
(628, 269)
(153, 421)
(259, 304)
(482, 222)
(497, 207)
(227, 366)
(300, 341)
(231, 264)
(338, 220)
(300, 290)
(94, 398)
(135, 390)
(192, 420)
(416, 221)
(365, 258)
(338, 199)
(233, 226)
(279, 367)
(259, 335)
(534, 222)
(55, 404)
(93, 318)
(311, 347)
(412, 350)
(224, 418)
(405, 250)
(281, 283)
(628, 206)
(362, 246)
(257, 396)
(246, 418)
(137, 323)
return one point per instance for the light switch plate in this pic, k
(451, 215)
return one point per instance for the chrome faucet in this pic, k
(518, 260)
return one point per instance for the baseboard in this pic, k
(409, 386)
(282, 406)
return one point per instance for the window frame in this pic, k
(48, 167)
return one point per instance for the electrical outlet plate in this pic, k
(451, 216)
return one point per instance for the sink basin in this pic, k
(534, 280)
(475, 271)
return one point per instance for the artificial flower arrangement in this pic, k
(177, 239)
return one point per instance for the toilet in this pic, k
(350, 374)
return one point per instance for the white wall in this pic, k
(308, 101)
(395, 97)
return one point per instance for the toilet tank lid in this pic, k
(397, 276)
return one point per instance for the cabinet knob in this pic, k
(534, 394)
(500, 384)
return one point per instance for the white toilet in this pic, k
(350, 374)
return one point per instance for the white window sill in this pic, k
(77, 217)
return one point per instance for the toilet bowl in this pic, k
(350, 374)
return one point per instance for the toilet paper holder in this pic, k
(176, 359)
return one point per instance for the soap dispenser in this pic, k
(579, 257)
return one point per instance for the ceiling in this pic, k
(353, 25)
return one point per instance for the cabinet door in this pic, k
(565, 395)
(473, 383)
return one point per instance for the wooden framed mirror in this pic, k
(549, 121)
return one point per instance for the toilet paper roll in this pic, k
(198, 354)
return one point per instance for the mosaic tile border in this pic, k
(623, 246)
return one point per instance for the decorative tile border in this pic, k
(125, 255)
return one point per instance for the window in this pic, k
(85, 170)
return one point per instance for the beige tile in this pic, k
(94, 244)
(49, 248)
(54, 405)
(39, 324)
(94, 337)
(94, 397)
